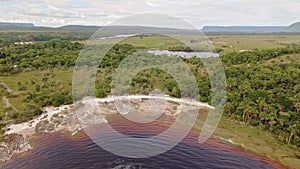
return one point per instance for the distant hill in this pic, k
(117, 30)
(294, 27)
(114, 30)
(250, 29)
(15, 25)
(79, 28)
(107, 30)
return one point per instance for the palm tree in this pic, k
(293, 132)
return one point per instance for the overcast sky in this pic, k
(198, 12)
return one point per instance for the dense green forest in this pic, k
(38, 56)
(265, 95)
(11, 37)
(258, 94)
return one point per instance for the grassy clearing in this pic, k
(227, 42)
(155, 41)
(235, 43)
(172, 42)
(259, 141)
(2, 105)
(27, 81)
(30, 78)
(287, 40)
(286, 59)
(152, 42)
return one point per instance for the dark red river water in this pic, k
(63, 151)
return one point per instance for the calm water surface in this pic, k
(184, 54)
(62, 151)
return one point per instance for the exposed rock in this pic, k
(12, 144)
(44, 127)
(5, 153)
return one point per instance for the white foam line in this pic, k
(50, 111)
(178, 100)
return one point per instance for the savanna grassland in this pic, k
(262, 71)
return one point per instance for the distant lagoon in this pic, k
(184, 54)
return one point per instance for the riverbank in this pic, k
(17, 137)
(256, 140)
(64, 119)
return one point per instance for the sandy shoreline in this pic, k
(29, 126)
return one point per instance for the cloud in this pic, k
(198, 12)
(153, 3)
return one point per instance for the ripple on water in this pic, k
(55, 151)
